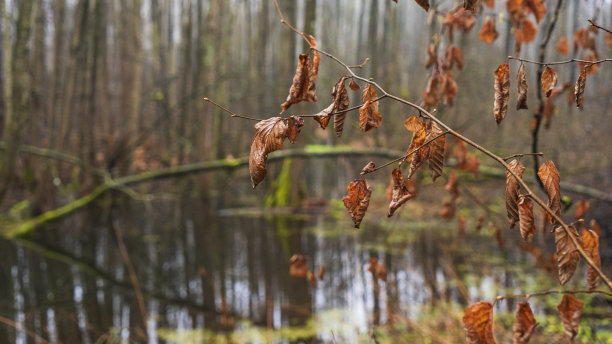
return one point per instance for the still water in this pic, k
(201, 273)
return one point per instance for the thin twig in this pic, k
(333, 337)
(21, 328)
(367, 59)
(550, 292)
(487, 152)
(599, 27)
(520, 155)
(407, 155)
(560, 62)
(230, 112)
(280, 13)
(345, 110)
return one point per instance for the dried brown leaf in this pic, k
(526, 218)
(353, 85)
(595, 227)
(536, 7)
(478, 323)
(479, 223)
(563, 46)
(297, 266)
(312, 278)
(521, 85)
(436, 151)
(461, 225)
(502, 92)
(549, 80)
(590, 244)
(570, 310)
(524, 324)
(381, 272)
(579, 89)
(303, 86)
(431, 94)
(323, 117)
(488, 33)
(401, 192)
(269, 136)
(498, 234)
(424, 4)
(454, 55)
(589, 55)
(432, 56)
(368, 168)
(460, 151)
(451, 185)
(550, 179)
(413, 124)
(341, 103)
(417, 153)
(471, 164)
(512, 191)
(369, 117)
(449, 88)
(567, 255)
(357, 199)
(294, 125)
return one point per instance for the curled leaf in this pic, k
(570, 310)
(294, 125)
(549, 81)
(521, 85)
(269, 136)
(357, 199)
(297, 266)
(323, 117)
(488, 33)
(550, 179)
(353, 85)
(418, 153)
(526, 218)
(567, 255)
(436, 151)
(369, 117)
(502, 92)
(303, 86)
(579, 88)
(590, 244)
(401, 193)
(341, 103)
(524, 324)
(512, 191)
(536, 7)
(478, 323)
(368, 168)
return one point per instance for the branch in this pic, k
(550, 292)
(230, 112)
(487, 152)
(521, 155)
(587, 62)
(599, 27)
(23, 329)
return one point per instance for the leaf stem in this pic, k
(550, 292)
(229, 111)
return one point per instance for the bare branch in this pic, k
(521, 155)
(599, 27)
(560, 62)
(230, 112)
(551, 292)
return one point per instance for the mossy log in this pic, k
(20, 228)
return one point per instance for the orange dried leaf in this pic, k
(368, 168)
(502, 92)
(570, 310)
(521, 85)
(526, 218)
(451, 185)
(581, 209)
(372, 266)
(431, 95)
(488, 33)
(588, 56)
(498, 234)
(436, 151)
(312, 278)
(524, 324)
(459, 151)
(579, 89)
(454, 56)
(512, 190)
(297, 266)
(550, 179)
(567, 255)
(424, 4)
(563, 46)
(595, 227)
(417, 153)
(353, 85)
(536, 7)
(461, 226)
(590, 244)
(432, 56)
(357, 199)
(449, 88)
(294, 125)
(471, 165)
(369, 117)
(323, 117)
(401, 191)
(478, 323)
(526, 33)
(549, 80)
(413, 124)
(269, 136)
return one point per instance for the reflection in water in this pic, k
(207, 278)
